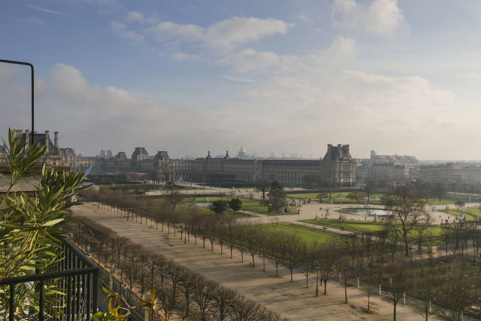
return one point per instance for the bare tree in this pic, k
(276, 247)
(174, 272)
(262, 185)
(398, 281)
(294, 252)
(344, 267)
(276, 197)
(407, 207)
(426, 288)
(327, 259)
(245, 309)
(458, 289)
(203, 296)
(222, 299)
(187, 282)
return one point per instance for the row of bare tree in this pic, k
(180, 290)
(354, 256)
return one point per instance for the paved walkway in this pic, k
(291, 299)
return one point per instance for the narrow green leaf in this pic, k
(53, 222)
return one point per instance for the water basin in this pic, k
(364, 211)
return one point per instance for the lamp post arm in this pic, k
(31, 85)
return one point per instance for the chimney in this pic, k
(56, 139)
(18, 132)
(47, 139)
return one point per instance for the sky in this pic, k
(281, 77)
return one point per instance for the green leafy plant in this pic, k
(116, 310)
(119, 309)
(31, 223)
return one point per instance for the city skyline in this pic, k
(272, 76)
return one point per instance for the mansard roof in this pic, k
(41, 140)
(291, 162)
(162, 155)
(337, 153)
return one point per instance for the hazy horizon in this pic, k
(397, 77)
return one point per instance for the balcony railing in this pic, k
(75, 277)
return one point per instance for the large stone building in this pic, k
(54, 155)
(391, 168)
(452, 173)
(336, 168)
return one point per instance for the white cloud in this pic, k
(239, 30)
(44, 9)
(180, 56)
(135, 16)
(172, 31)
(224, 34)
(305, 18)
(117, 26)
(381, 17)
(34, 21)
(133, 36)
(249, 60)
(475, 75)
(315, 107)
(89, 116)
(342, 49)
(359, 108)
(238, 79)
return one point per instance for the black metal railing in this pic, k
(67, 292)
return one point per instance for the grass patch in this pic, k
(471, 214)
(249, 205)
(348, 225)
(364, 226)
(307, 234)
(375, 199)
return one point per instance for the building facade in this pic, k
(336, 168)
(390, 168)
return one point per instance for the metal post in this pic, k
(41, 302)
(11, 307)
(31, 85)
(317, 280)
(474, 252)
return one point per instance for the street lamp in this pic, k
(317, 280)
(474, 252)
(32, 87)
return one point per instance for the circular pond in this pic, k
(364, 211)
(202, 204)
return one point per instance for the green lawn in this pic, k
(471, 214)
(348, 225)
(307, 234)
(375, 199)
(249, 205)
(362, 226)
